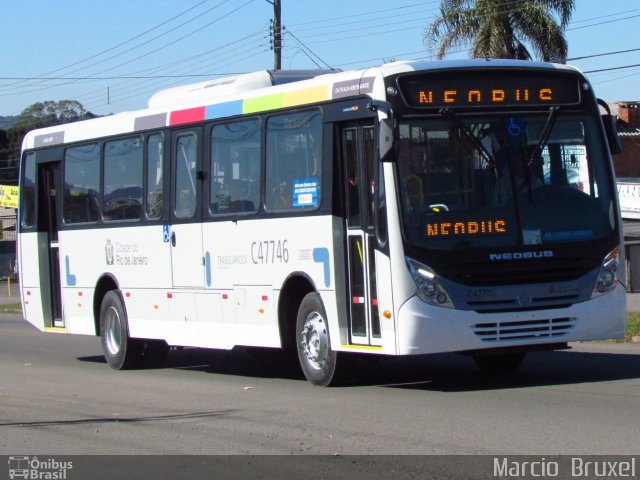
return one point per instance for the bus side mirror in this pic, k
(386, 140)
(610, 123)
(611, 129)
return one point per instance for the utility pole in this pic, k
(277, 35)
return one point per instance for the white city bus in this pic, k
(413, 208)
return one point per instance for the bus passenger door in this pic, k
(48, 210)
(187, 261)
(359, 166)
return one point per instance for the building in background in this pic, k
(627, 163)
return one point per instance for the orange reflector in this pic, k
(261, 310)
(155, 307)
(79, 305)
(386, 314)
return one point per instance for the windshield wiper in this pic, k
(546, 133)
(477, 144)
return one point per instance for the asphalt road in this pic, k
(58, 396)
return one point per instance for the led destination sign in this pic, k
(494, 88)
(481, 227)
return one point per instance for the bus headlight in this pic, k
(429, 288)
(608, 276)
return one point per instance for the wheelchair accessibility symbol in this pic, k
(165, 234)
(515, 127)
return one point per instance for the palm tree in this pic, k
(499, 28)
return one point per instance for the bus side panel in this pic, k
(138, 258)
(249, 262)
(77, 305)
(30, 272)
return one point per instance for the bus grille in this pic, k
(556, 270)
(524, 330)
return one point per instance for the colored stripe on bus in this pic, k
(221, 110)
(260, 104)
(157, 120)
(307, 95)
(239, 107)
(189, 115)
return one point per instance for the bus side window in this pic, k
(28, 210)
(293, 161)
(80, 203)
(123, 176)
(155, 158)
(235, 167)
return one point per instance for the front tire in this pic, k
(120, 351)
(317, 360)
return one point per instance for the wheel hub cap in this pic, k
(112, 331)
(315, 341)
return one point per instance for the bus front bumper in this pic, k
(424, 328)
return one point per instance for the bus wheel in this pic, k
(317, 360)
(120, 351)
(502, 363)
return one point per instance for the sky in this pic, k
(111, 56)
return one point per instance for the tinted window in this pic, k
(123, 175)
(28, 192)
(293, 170)
(235, 167)
(81, 184)
(155, 155)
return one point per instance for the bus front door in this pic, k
(358, 157)
(48, 210)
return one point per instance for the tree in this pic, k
(46, 114)
(40, 115)
(500, 28)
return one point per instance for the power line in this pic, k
(602, 54)
(155, 38)
(133, 81)
(118, 77)
(288, 31)
(115, 47)
(612, 68)
(90, 77)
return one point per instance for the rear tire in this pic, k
(317, 360)
(120, 351)
(499, 364)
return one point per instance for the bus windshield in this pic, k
(503, 180)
